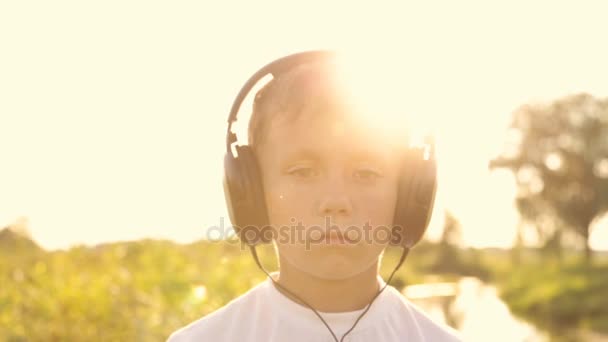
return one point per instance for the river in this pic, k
(474, 308)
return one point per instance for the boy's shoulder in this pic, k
(219, 324)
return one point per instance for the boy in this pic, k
(330, 189)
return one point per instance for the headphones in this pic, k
(243, 187)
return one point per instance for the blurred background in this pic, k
(112, 128)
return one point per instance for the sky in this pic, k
(113, 114)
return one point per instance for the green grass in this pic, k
(559, 296)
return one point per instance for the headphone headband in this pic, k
(274, 68)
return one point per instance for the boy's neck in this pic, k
(328, 295)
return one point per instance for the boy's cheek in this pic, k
(281, 197)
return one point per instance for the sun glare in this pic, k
(377, 92)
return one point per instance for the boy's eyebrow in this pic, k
(302, 153)
(370, 155)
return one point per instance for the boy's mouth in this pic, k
(336, 238)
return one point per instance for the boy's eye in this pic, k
(303, 172)
(367, 174)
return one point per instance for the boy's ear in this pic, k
(244, 195)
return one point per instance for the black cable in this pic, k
(401, 260)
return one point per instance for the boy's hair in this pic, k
(312, 88)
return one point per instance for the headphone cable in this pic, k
(401, 260)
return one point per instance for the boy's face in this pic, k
(315, 170)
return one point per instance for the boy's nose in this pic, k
(335, 202)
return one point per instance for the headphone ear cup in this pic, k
(416, 199)
(244, 194)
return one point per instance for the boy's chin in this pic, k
(331, 263)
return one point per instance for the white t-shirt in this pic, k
(265, 314)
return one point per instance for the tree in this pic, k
(559, 155)
(448, 257)
(452, 231)
(16, 239)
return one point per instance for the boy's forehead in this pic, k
(318, 133)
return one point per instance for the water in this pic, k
(474, 309)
